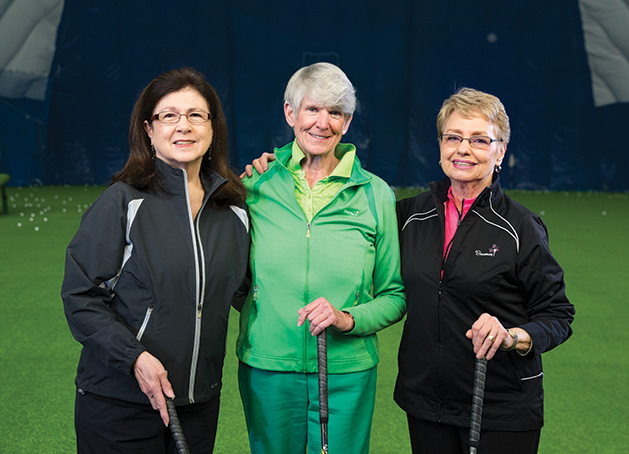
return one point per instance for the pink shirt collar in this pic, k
(453, 218)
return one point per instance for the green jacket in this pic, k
(349, 254)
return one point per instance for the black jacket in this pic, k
(141, 274)
(499, 263)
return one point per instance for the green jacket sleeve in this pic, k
(388, 305)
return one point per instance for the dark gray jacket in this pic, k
(141, 274)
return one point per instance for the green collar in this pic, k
(345, 152)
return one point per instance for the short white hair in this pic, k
(325, 84)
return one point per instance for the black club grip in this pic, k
(322, 353)
(175, 428)
(478, 395)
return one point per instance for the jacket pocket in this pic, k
(145, 322)
(502, 375)
(249, 315)
(355, 298)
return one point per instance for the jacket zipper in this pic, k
(438, 352)
(200, 278)
(444, 258)
(199, 266)
(307, 283)
(147, 317)
(306, 298)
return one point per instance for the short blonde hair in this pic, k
(469, 102)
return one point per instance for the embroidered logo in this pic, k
(492, 252)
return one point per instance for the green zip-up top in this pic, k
(348, 253)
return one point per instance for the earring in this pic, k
(209, 153)
(440, 163)
(497, 168)
(152, 152)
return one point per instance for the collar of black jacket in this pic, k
(493, 191)
(174, 178)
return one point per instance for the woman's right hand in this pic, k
(261, 165)
(321, 313)
(153, 381)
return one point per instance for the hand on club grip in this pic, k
(321, 313)
(153, 381)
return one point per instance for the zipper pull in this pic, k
(199, 310)
(458, 223)
(255, 293)
(308, 231)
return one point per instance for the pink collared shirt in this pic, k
(454, 216)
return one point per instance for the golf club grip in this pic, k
(478, 395)
(175, 428)
(322, 355)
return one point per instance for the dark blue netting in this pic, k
(403, 56)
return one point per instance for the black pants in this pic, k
(437, 438)
(108, 426)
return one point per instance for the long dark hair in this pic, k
(139, 171)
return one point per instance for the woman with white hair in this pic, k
(324, 250)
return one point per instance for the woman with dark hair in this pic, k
(151, 274)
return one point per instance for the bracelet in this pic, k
(514, 336)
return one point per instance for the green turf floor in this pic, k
(586, 379)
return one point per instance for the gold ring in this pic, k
(491, 338)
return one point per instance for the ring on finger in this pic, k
(491, 338)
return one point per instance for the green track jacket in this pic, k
(348, 253)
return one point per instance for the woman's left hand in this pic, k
(321, 314)
(487, 335)
(153, 381)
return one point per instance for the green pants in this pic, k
(282, 411)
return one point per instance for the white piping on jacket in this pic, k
(421, 217)
(513, 233)
(540, 375)
(242, 214)
(132, 209)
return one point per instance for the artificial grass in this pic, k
(585, 379)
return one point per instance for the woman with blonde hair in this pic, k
(480, 282)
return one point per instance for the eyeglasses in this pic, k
(479, 142)
(197, 117)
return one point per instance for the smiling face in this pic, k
(318, 129)
(470, 168)
(183, 144)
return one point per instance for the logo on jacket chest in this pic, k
(491, 253)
